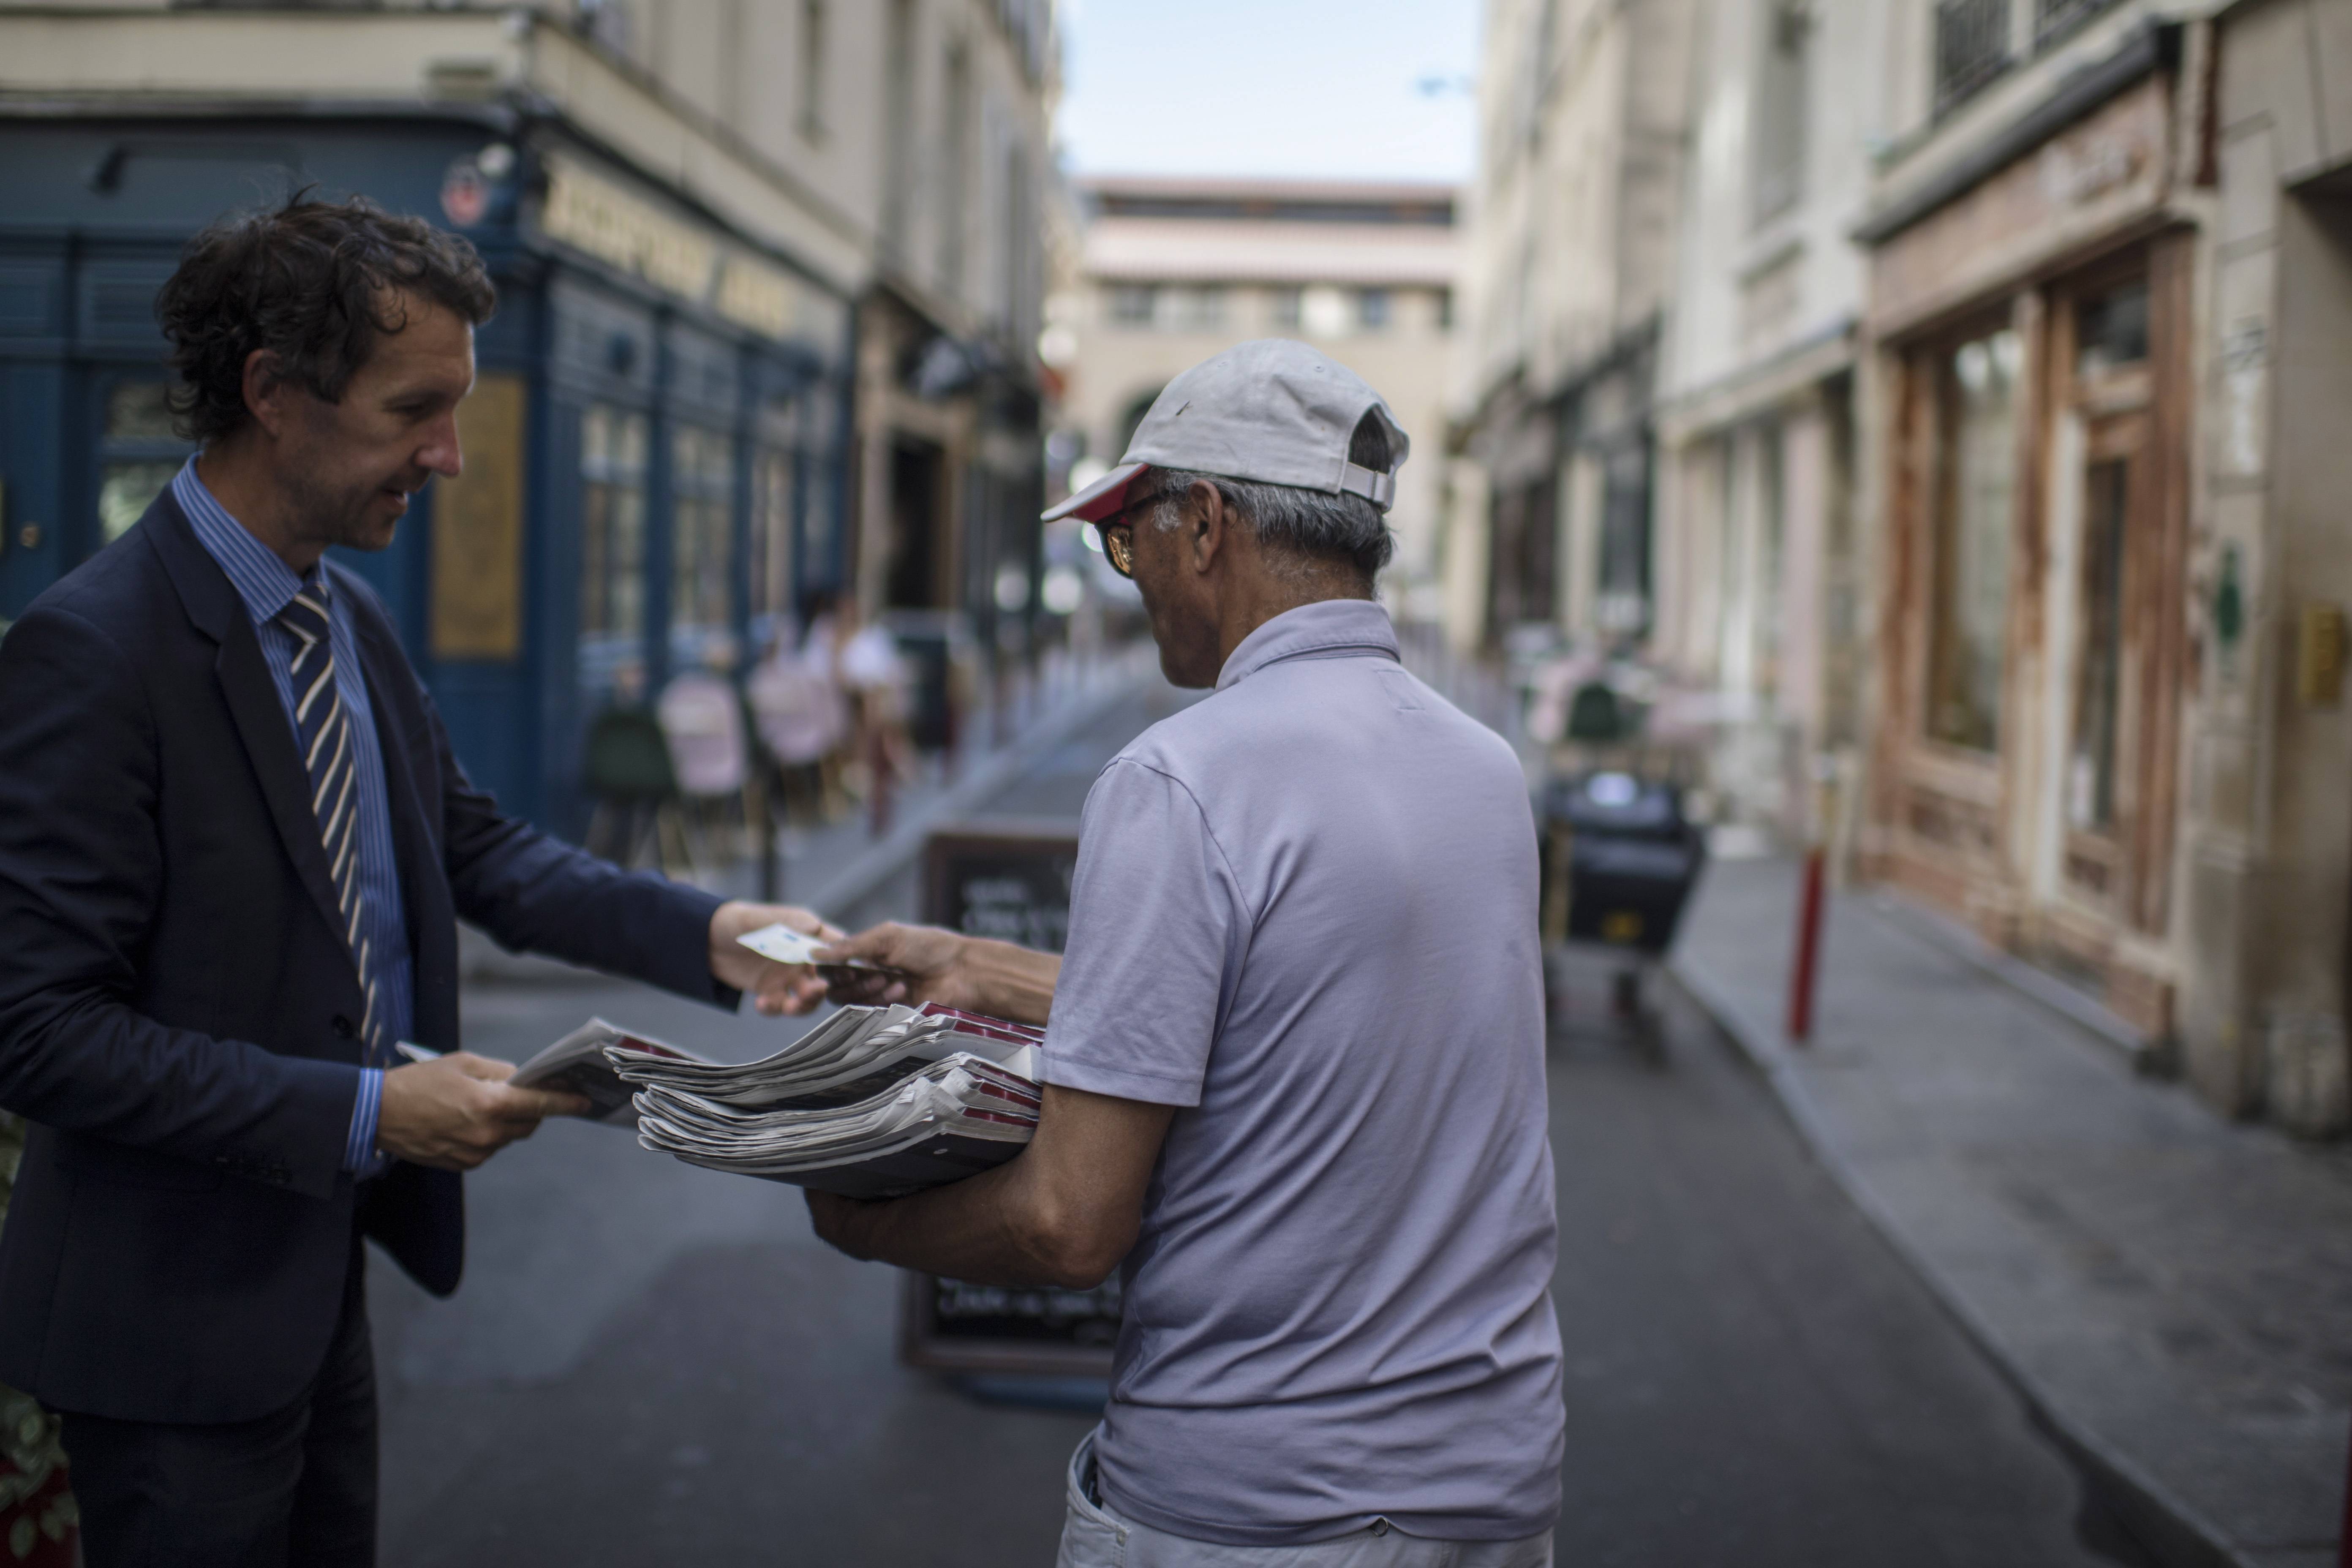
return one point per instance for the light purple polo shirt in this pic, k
(1304, 910)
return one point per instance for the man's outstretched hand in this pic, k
(916, 964)
(928, 963)
(455, 1112)
(773, 987)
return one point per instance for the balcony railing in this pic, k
(1971, 45)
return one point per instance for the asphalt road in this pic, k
(650, 1363)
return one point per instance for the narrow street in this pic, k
(650, 1363)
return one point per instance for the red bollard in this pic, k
(1809, 950)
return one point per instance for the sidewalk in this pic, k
(2172, 1292)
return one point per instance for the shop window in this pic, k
(2111, 328)
(702, 537)
(1287, 308)
(770, 569)
(138, 454)
(1133, 304)
(1443, 313)
(1372, 308)
(1976, 486)
(611, 543)
(2091, 766)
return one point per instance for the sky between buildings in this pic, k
(1329, 88)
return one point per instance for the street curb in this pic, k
(857, 881)
(2173, 1532)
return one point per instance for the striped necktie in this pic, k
(323, 730)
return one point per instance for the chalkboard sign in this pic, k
(1008, 878)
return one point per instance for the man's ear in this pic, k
(1207, 523)
(266, 390)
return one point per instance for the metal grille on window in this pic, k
(1971, 47)
(1780, 108)
(2053, 18)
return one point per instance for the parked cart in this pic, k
(1620, 861)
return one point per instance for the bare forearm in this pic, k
(978, 1230)
(1015, 983)
(1062, 1212)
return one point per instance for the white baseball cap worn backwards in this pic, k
(1273, 411)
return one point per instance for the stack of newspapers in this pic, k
(873, 1102)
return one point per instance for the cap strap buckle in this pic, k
(1376, 487)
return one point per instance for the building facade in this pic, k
(1994, 356)
(2266, 864)
(1568, 267)
(2111, 580)
(1170, 271)
(664, 449)
(1760, 566)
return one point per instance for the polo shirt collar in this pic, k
(1326, 626)
(265, 582)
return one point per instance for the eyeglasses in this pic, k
(1119, 537)
(1119, 548)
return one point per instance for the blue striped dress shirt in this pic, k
(267, 584)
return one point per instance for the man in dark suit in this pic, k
(234, 847)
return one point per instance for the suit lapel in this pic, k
(216, 610)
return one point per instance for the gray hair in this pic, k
(1305, 522)
(1315, 524)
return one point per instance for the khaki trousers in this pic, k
(1095, 1537)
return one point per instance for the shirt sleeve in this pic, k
(359, 1147)
(1156, 929)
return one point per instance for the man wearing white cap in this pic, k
(1294, 1056)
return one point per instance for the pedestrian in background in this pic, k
(802, 720)
(1293, 1060)
(233, 848)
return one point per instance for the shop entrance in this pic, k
(919, 570)
(2114, 802)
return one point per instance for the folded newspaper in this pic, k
(576, 1064)
(873, 1102)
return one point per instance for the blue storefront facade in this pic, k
(656, 449)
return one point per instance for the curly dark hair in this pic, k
(315, 284)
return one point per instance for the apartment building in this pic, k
(1170, 271)
(1570, 265)
(1759, 560)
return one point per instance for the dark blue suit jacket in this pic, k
(178, 1010)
